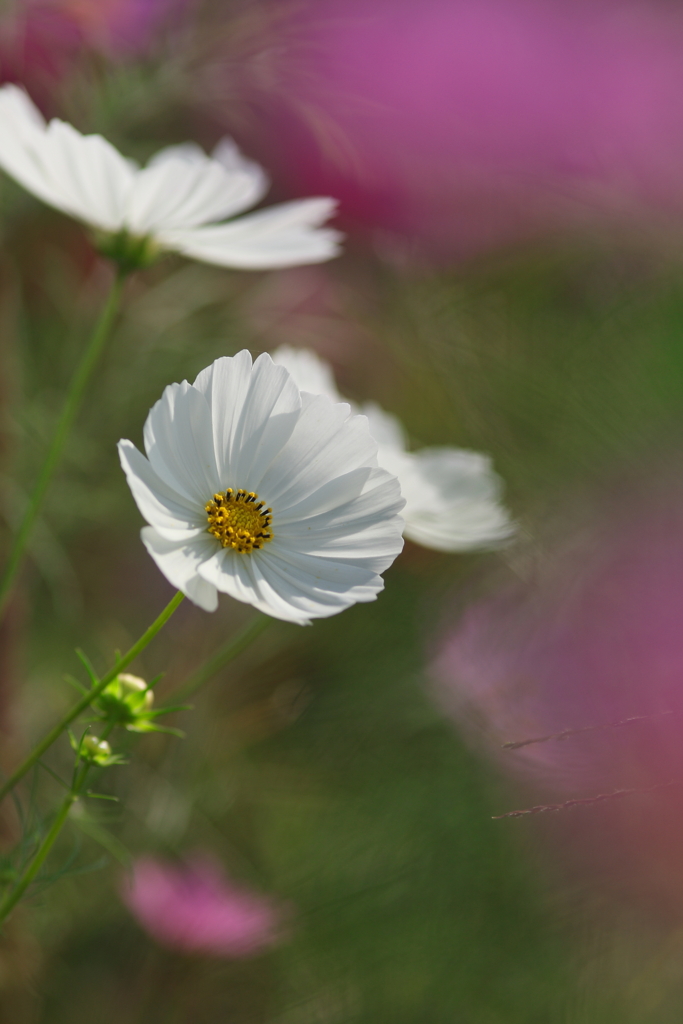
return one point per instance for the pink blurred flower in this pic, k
(120, 26)
(467, 123)
(192, 907)
(596, 640)
(38, 46)
(41, 41)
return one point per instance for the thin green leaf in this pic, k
(54, 775)
(86, 869)
(87, 665)
(168, 710)
(150, 727)
(102, 836)
(74, 682)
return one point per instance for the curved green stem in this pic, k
(230, 651)
(92, 694)
(72, 402)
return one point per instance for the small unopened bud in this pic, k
(95, 748)
(135, 685)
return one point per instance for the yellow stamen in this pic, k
(238, 522)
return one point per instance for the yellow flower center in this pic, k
(239, 521)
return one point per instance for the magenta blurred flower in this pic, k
(120, 26)
(42, 41)
(38, 46)
(192, 907)
(596, 640)
(466, 123)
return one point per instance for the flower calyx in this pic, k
(95, 751)
(129, 251)
(128, 701)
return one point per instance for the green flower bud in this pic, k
(95, 749)
(136, 687)
(126, 700)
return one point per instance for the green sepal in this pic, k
(130, 252)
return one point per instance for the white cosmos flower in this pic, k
(271, 496)
(179, 201)
(452, 495)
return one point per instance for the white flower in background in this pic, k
(173, 203)
(268, 495)
(452, 495)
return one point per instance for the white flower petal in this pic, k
(386, 429)
(453, 501)
(182, 187)
(319, 587)
(17, 107)
(172, 515)
(93, 176)
(318, 451)
(176, 200)
(254, 410)
(179, 564)
(452, 496)
(20, 124)
(81, 175)
(355, 531)
(179, 443)
(335, 522)
(310, 372)
(347, 499)
(330, 496)
(280, 236)
(240, 577)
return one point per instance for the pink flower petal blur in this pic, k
(596, 640)
(193, 908)
(465, 124)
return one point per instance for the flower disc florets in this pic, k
(237, 519)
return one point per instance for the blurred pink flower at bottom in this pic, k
(192, 907)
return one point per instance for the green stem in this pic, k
(226, 654)
(74, 396)
(222, 658)
(80, 774)
(15, 894)
(92, 694)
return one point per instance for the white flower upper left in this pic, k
(180, 201)
(272, 496)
